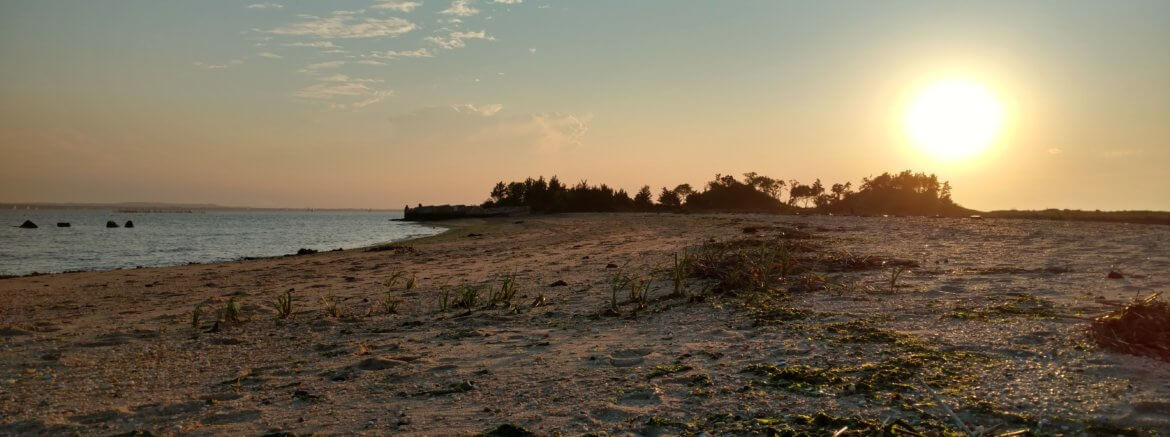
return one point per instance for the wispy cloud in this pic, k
(269, 55)
(265, 5)
(508, 2)
(1055, 151)
(484, 110)
(401, 6)
(460, 8)
(315, 44)
(396, 54)
(342, 92)
(208, 66)
(323, 66)
(346, 24)
(455, 40)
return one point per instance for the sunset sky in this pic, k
(376, 104)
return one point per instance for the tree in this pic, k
(669, 198)
(644, 200)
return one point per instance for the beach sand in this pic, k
(992, 319)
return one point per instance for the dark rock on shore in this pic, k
(63, 224)
(303, 251)
(28, 224)
(111, 224)
(1115, 275)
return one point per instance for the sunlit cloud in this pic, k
(397, 54)
(455, 40)
(484, 110)
(460, 8)
(401, 6)
(508, 2)
(209, 66)
(342, 92)
(265, 5)
(314, 44)
(323, 66)
(269, 55)
(346, 24)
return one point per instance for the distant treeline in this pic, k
(905, 193)
(1144, 217)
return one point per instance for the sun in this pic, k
(954, 119)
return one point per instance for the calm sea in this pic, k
(162, 239)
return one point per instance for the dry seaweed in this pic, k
(1140, 328)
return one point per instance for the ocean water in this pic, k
(162, 239)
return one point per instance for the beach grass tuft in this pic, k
(331, 306)
(283, 305)
(231, 312)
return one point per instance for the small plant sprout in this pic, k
(619, 281)
(195, 315)
(469, 297)
(331, 307)
(410, 283)
(394, 279)
(231, 311)
(539, 301)
(895, 273)
(678, 274)
(390, 306)
(283, 305)
(504, 295)
(444, 299)
(639, 290)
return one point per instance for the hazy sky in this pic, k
(304, 103)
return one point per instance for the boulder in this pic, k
(28, 224)
(63, 224)
(111, 224)
(304, 251)
(1115, 275)
(129, 224)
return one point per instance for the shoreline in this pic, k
(989, 313)
(235, 260)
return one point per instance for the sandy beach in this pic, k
(970, 326)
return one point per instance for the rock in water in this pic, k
(111, 224)
(28, 224)
(129, 224)
(63, 224)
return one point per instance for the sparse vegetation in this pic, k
(195, 315)
(444, 299)
(331, 306)
(663, 370)
(469, 297)
(231, 312)
(503, 296)
(679, 270)
(896, 272)
(283, 305)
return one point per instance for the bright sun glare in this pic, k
(954, 119)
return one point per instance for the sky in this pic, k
(378, 104)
